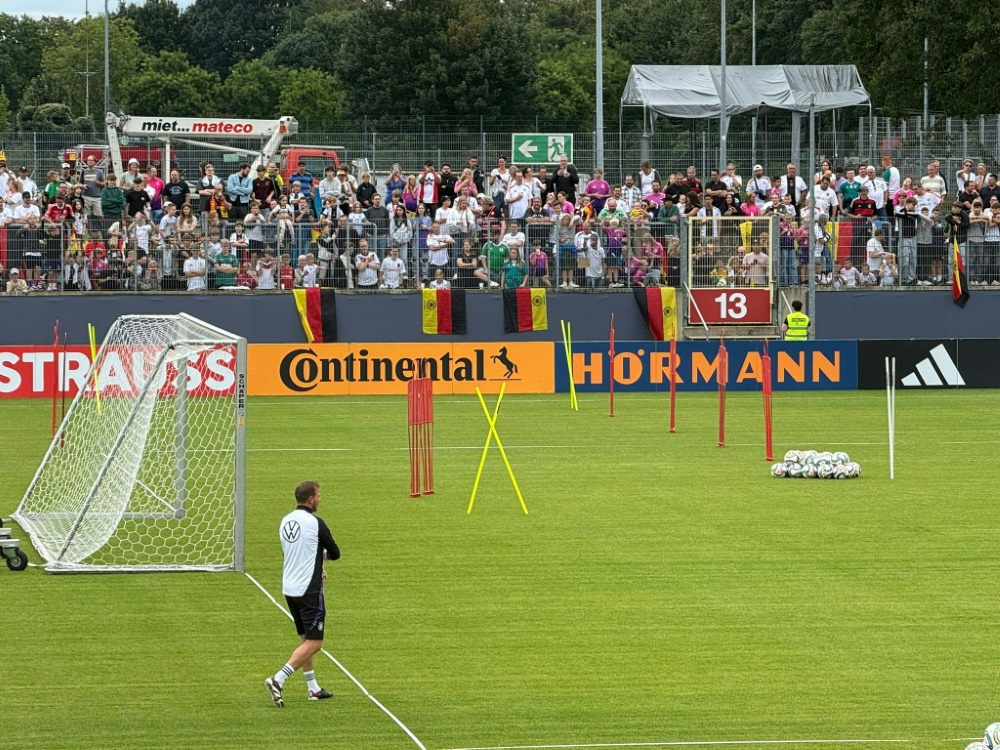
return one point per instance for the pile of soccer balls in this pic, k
(991, 740)
(816, 465)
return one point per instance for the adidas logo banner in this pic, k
(931, 363)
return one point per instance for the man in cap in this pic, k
(66, 179)
(760, 183)
(16, 286)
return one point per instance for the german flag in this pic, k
(318, 313)
(658, 305)
(444, 311)
(525, 310)
(959, 281)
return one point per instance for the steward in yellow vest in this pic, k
(796, 325)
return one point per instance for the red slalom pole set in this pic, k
(420, 419)
(722, 377)
(673, 384)
(766, 390)
(611, 368)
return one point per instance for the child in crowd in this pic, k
(615, 236)
(246, 277)
(867, 278)
(538, 261)
(265, 271)
(439, 281)
(823, 278)
(889, 272)
(282, 215)
(720, 274)
(849, 275)
(298, 280)
(309, 271)
(286, 273)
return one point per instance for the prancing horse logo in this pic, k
(504, 360)
(291, 531)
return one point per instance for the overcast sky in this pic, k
(74, 8)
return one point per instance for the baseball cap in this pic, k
(65, 165)
(15, 270)
(758, 166)
(22, 169)
(133, 161)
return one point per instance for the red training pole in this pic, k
(55, 379)
(722, 376)
(611, 378)
(673, 384)
(768, 422)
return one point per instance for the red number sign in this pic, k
(722, 306)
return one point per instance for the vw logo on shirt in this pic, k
(291, 531)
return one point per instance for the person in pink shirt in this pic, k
(657, 195)
(652, 252)
(154, 183)
(638, 269)
(904, 192)
(598, 190)
(750, 207)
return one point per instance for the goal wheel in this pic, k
(1, 523)
(17, 561)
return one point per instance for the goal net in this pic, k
(147, 470)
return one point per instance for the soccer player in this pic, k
(305, 542)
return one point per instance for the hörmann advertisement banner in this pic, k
(646, 366)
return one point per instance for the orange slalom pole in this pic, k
(611, 368)
(673, 384)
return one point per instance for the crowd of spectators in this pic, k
(504, 226)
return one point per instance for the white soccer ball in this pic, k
(853, 470)
(992, 737)
(841, 458)
(840, 472)
(779, 470)
(722, 282)
(793, 457)
(825, 457)
(796, 470)
(826, 471)
(812, 471)
(977, 746)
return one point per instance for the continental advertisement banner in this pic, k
(647, 366)
(371, 369)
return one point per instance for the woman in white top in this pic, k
(462, 220)
(400, 232)
(499, 182)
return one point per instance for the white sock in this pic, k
(311, 681)
(283, 674)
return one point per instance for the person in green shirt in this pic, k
(494, 255)
(513, 274)
(612, 211)
(112, 199)
(226, 266)
(52, 188)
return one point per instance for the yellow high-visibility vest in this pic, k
(798, 327)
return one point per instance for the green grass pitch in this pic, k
(660, 590)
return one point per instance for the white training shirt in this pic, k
(304, 537)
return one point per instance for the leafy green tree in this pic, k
(223, 32)
(251, 90)
(167, 84)
(68, 54)
(4, 110)
(43, 89)
(45, 118)
(159, 24)
(312, 97)
(22, 41)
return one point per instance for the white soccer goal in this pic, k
(145, 474)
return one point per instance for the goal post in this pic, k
(147, 472)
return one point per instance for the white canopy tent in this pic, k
(694, 91)
(697, 92)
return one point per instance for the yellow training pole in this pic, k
(503, 453)
(569, 363)
(93, 356)
(486, 449)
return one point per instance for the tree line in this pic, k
(337, 63)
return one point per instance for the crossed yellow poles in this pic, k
(490, 437)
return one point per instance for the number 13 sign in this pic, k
(720, 306)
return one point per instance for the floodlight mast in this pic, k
(169, 129)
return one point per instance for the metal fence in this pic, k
(673, 147)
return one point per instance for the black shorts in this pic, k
(309, 613)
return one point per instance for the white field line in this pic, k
(705, 743)
(343, 669)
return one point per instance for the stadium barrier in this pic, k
(530, 367)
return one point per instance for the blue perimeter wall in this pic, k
(272, 318)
